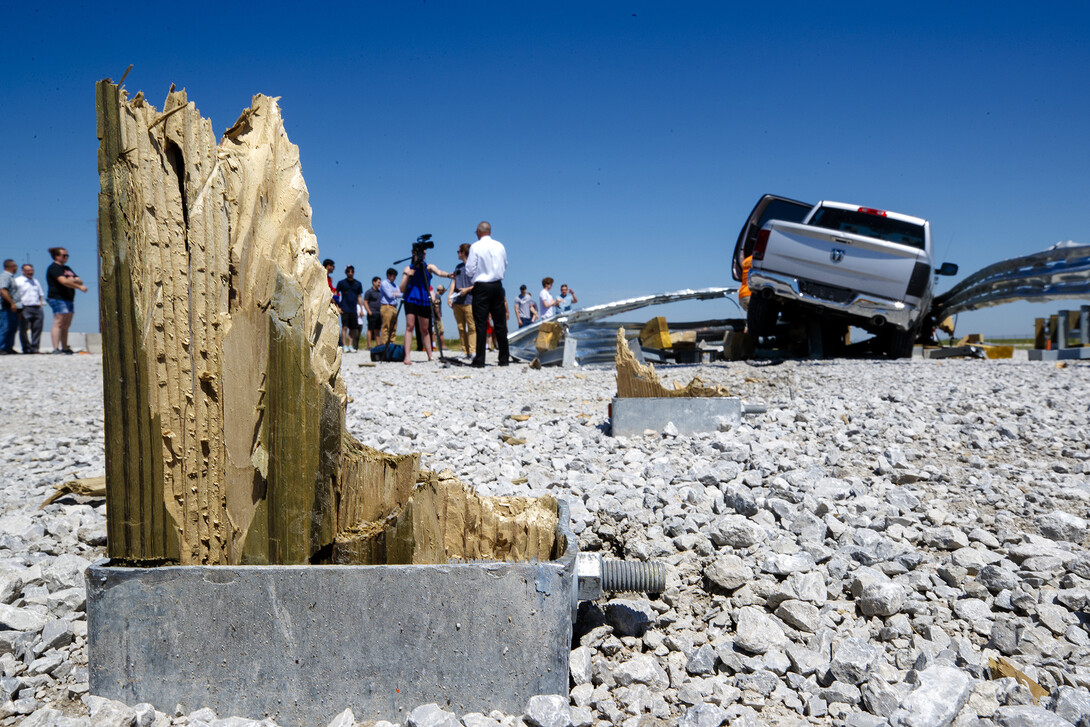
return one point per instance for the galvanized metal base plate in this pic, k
(690, 415)
(301, 643)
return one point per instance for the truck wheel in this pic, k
(761, 316)
(898, 343)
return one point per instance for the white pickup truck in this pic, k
(843, 265)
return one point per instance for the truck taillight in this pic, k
(760, 245)
(872, 211)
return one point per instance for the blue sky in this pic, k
(617, 147)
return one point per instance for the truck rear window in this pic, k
(861, 223)
(783, 209)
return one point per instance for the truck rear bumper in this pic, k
(866, 307)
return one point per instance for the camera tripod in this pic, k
(443, 361)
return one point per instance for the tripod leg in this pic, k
(393, 331)
(436, 336)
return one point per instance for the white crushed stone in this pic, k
(883, 528)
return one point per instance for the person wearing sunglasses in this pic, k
(63, 284)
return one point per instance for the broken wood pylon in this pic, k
(636, 380)
(221, 349)
(224, 401)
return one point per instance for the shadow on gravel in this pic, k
(590, 617)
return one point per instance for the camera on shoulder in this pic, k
(422, 244)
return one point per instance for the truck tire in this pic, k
(761, 316)
(898, 343)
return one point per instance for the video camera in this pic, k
(422, 244)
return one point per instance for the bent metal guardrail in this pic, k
(594, 312)
(597, 338)
(1054, 274)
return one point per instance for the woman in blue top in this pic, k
(416, 287)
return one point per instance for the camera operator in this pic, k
(416, 287)
(486, 266)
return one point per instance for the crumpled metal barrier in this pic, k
(1054, 274)
(582, 324)
(603, 310)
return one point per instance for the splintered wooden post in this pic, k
(636, 380)
(138, 524)
(220, 347)
(224, 401)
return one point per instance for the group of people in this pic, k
(475, 296)
(22, 298)
(548, 305)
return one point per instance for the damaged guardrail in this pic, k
(596, 337)
(1053, 274)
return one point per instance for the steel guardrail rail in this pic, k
(604, 310)
(1054, 274)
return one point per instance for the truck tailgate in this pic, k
(854, 262)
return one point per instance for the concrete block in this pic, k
(689, 415)
(300, 644)
(1036, 354)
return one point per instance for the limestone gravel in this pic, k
(853, 556)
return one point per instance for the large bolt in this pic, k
(595, 576)
(626, 575)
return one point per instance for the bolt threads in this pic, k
(620, 575)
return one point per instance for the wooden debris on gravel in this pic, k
(636, 380)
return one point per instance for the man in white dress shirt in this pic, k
(485, 266)
(30, 319)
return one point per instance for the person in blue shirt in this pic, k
(567, 299)
(350, 290)
(388, 295)
(416, 287)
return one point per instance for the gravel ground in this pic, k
(853, 556)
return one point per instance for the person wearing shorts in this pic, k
(416, 287)
(350, 290)
(63, 284)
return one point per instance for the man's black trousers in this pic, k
(488, 299)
